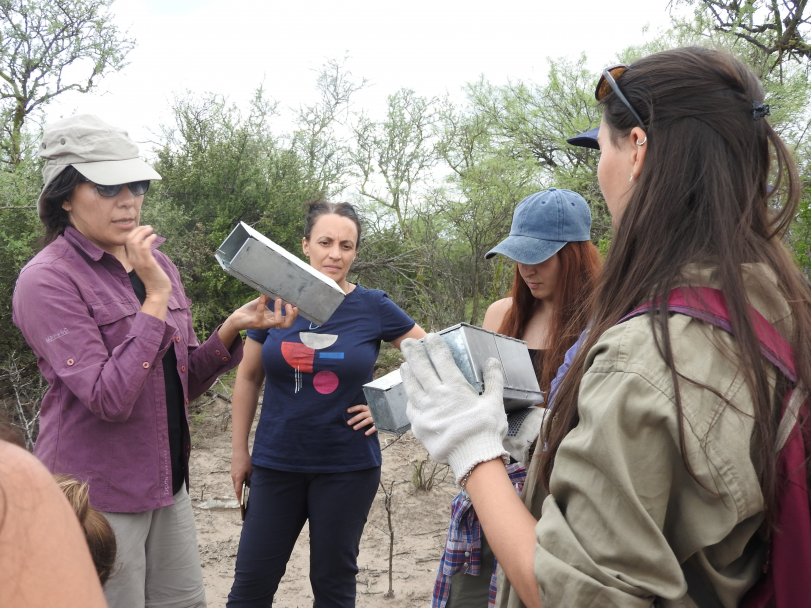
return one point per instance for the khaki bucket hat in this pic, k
(102, 153)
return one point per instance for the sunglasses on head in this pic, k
(136, 188)
(608, 82)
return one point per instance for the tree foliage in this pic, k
(393, 157)
(20, 229)
(437, 180)
(47, 49)
(318, 138)
(220, 167)
(778, 29)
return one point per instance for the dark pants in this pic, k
(336, 505)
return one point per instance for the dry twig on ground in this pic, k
(387, 504)
(427, 474)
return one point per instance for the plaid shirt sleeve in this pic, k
(463, 548)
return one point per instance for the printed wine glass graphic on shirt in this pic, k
(301, 356)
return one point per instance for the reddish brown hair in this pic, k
(579, 267)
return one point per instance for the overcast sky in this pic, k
(431, 46)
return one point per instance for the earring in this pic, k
(632, 178)
(642, 143)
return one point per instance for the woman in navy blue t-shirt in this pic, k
(316, 455)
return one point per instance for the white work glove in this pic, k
(456, 425)
(523, 427)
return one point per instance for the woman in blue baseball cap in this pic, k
(556, 266)
(675, 463)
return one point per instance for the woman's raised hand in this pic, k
(256, 315)
(139, 254)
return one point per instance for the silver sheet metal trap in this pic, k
(257, 261)
(471, 347)
(387, 399)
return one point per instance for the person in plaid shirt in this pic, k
(463, 549)
(556, 265)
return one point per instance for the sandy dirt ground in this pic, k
(419, 519)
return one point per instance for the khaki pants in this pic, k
(157, 563)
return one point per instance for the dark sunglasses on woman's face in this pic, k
(608, 82)
(136, 188)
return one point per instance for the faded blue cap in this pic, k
(543, 223)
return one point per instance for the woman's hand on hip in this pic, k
(140, 256)
(362, 419)
(240, 470)
(256, 315)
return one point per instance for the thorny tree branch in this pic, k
(27, 398)
(778, 29)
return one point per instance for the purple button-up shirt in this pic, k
(103, 419)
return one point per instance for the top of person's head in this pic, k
(685, 87)
(543, 223)
(708, 165)
(684, 83)
(98, 152)
(321, 206)
(98, 532)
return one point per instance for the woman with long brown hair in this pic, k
(661, 468)
(556, 267)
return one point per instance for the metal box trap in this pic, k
(471, 347)
(257, 261)
(387, 399)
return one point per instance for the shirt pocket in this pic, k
(114, 320)
(178, 315)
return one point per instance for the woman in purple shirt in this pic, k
(106, 315)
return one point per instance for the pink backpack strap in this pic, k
(709, 305)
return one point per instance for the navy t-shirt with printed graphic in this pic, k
(312, 375)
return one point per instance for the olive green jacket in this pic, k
(623, 511)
